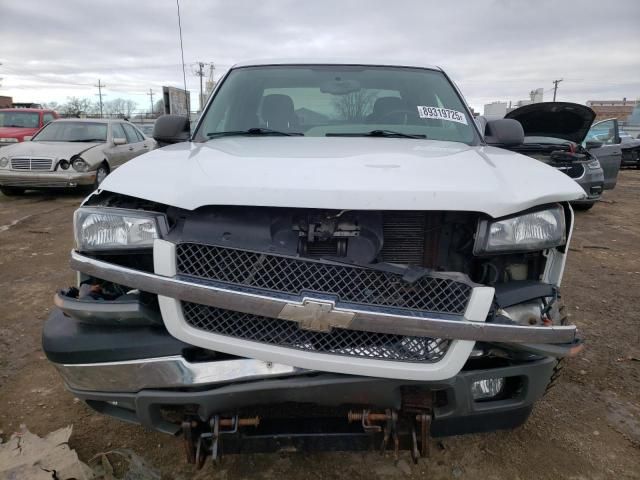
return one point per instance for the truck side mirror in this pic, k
(171, 129)
(505, 132)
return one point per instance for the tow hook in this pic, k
(208, 441)
(297, 431)
(419, 447)
(390, 429)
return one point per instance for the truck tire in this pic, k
(12, 191)
(560, 364)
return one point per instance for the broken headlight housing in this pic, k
(79, 165)
(116, 228)
(531, 231)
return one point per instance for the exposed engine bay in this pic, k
(437, 241)
(569, 158)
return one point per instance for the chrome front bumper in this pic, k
(463, 330)
(57, 179)
(167, 372)
(470, 327)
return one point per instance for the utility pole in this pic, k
(200, 73)
(100, 87)
(151, 95)
(555, 88)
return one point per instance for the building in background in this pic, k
(495, 109)
(620, 109)
(176, 101)
(500, 109)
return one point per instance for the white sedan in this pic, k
(70, 153)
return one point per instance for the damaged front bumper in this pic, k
(137, 373)
(57, 179)
(471, 327)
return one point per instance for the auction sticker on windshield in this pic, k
(441, 114)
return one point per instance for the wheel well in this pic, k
(106, 164)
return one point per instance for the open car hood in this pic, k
(568, 121)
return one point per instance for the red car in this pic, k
(17, 123)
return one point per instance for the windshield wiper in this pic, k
(376, 133)
(87, 140)
(253, 131)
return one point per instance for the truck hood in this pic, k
(48, 149)
(16, 132)
(568, 121)
(342, 173)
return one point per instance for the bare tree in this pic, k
(129, 107)
(158, 107)
(120, 107)
(52, 105)
(75, 107)
(354, 105)
(115, 107)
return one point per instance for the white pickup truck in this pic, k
(335, 254)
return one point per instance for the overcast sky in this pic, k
(493, 49)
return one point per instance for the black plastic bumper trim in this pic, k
(461, 414)
(66, 340)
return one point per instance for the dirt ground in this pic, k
(588, 427)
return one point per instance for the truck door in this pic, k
(610, 153)
(135, 143)
(119, 153)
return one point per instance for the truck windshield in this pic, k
(20, 119)
(72, 132)
(337, 100)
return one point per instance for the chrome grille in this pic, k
(26, 163)
(297, 275)
(284, 333)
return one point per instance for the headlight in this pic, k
(79, 165)
(531, 231)
(594, 164)
(116, 228)
(63, 165)
(4, 161)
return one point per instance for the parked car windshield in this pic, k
(72, 132)
(20, 119)
(337, 100)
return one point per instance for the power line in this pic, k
(100, 87)
(555, 88)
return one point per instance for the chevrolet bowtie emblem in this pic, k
(316, 315)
